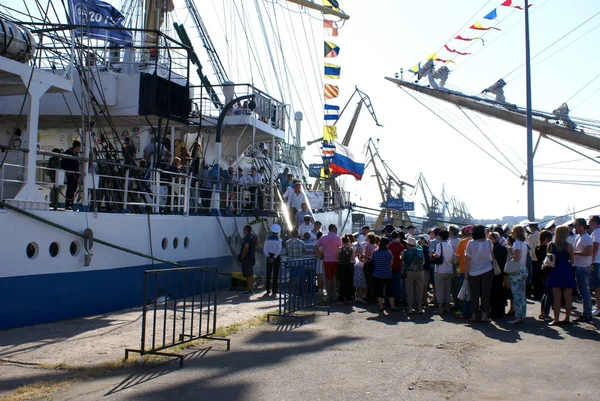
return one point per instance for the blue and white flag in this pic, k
(93, 17)
(327, 150)
(332, 113)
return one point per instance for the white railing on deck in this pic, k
(135, 190)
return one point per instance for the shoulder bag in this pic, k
(512, 266)
(497, 270)
(549, 261)
(440, 260)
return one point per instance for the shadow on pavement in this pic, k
(139, 378)
(267, 347)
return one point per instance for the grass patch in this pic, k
(38, 390)
(75, 374)
(229, 330)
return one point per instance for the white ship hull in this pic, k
(48, 288)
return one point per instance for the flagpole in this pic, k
(530, 187)
(318, 7)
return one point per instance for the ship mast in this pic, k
(318, 7)
(530, 188)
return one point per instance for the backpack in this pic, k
(416, 264)
(346, 253)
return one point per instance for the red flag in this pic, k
(445, 61)
(330, 28)
(331, 91)
(477, 26)
(509, 3)
(469, 39)
(456, 51)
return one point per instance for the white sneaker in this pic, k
(596, 312)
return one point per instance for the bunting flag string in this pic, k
(477, 26)
(491, 15)
(458, 37)
(332, 71)
(331, 50)
(456, 51)
(329, 132)
(333, 4)
(509, 3)
(327, 150)
(330, 28)
(331, 91)
(415, 69)
(331, 112)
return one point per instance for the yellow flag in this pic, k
(329, 132)
(333, 4)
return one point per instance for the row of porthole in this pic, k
(33, 249)
(165, 243)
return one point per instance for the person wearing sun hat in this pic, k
(272, 251)
(413, 274)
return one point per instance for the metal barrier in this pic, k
(180, 305)
(297, 288)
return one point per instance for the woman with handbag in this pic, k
(370, 247)
(442, 259)
(517, 270)
(498, 295)
(561, 277)
(541, 251)
(480, 273)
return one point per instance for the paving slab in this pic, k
(99, 339)
(357, 353)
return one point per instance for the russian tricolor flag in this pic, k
(343, 162)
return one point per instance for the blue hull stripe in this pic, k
(29, 300)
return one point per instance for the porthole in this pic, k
(186, 242)
(74, 248)
(32, 250)
(165, 243)
(54, 249)
(175, 242)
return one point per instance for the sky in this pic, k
(383, 36)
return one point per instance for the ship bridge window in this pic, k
(32, 250)
(165, 243)
(175, 242)
(54, 249)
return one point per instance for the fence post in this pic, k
(126, 190)
(186, 196)
(144, 310)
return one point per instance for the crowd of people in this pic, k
(479, 273)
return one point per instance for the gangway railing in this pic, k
(179, 306)
(297, 286)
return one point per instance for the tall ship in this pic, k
(120, 153)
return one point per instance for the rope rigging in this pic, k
(460, 132)
(550, 45)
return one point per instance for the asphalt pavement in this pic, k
(357, 353)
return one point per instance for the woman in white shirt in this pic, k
(519, 251)
(443, 272)
(480, 272)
